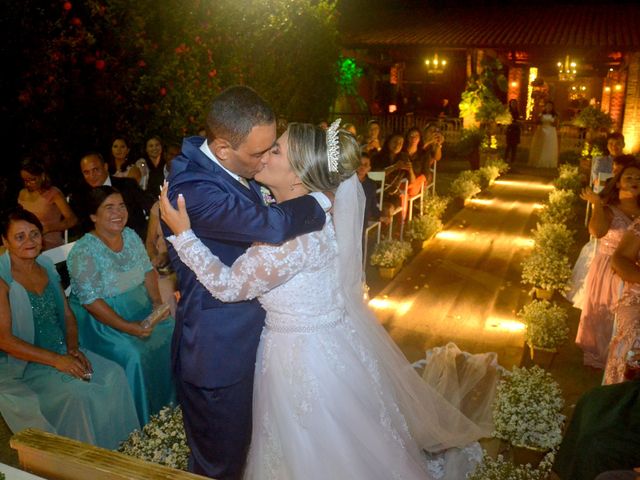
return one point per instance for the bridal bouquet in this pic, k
(161, 441)
(527, 409)
(546, 324)
(391, 253)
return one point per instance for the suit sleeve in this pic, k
(226, 216)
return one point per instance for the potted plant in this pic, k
(488, 174)
(435, 205)
(546, 328)
(421, 229)
(526, 412)
(162, 440)
(502, 469)
(389, 256)
(501, 165)
(558, 207)
(465, 186)
(553, 237)
(547, 271)
(568, 178)
(594, 120)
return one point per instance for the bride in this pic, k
(543, 152)
(334, 397)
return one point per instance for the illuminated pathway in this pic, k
(465, 286)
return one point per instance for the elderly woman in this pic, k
(46, 380)
(46, 202)
(113, 290)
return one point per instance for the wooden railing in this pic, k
(59, 458)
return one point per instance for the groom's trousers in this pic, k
(218, 426)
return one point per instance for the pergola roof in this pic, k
(578, 27)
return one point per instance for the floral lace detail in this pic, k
(619, 224)
(635, 227)
(273, 456)
(304, 384)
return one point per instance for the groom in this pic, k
(214, 343)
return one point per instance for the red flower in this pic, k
(76, 21)
(213, 73)
(142, 63)
(67, 6)
(163, 91)
(100, 64)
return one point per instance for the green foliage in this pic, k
(390, 253)
(466, 185)
(554, 237)
(470, 141)
(348, 75)
(481, 99)
(558, 207)
(546, 269)
(592, 118)
(152, 67)
(502, 166)
(423, 227)
(546, 324)
(488, 175)
(435, 205)
(568, 178)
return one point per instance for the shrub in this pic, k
(546, 324)
(423, 228)
(391, 253)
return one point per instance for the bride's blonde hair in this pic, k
(308, 156)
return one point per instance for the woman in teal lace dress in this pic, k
(113, 289)
(42, 367)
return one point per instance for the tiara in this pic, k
(333, 146)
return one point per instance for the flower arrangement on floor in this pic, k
(546, 269)
(488, 174)
(558, 207)
(502, 166)
(546, 324)
(501, 469)
(391, 253)
(466, 185)
(161, 441)
(423, 227)
(568, 178)
(435, 205)
(527, 409)
(553, 237)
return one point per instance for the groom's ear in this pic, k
(221, 148)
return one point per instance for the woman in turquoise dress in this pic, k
(42, 367)
(113, 290)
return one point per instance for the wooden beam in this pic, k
(60, 458)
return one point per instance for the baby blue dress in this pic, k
(97, 272)
(100, 412)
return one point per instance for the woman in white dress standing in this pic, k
(543, 152)
(334, 397)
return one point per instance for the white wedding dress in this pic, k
(543, 152)
(333, 396)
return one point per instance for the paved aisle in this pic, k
(465, 286)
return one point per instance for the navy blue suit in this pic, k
(214, 343)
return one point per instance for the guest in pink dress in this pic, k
(625, 263)
(613, 212)
(46, 202)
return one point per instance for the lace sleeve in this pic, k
(260, 269)
(634, 228)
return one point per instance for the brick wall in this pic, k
(631, 128)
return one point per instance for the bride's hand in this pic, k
(177, 220)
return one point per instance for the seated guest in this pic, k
(413, 144)
(604, 433)
(625, 263)
(372, 142)
(432, 141)
(613, 211)
(371, 210)
(113, 289)
(96, 173)
(46, 202)
(46, 380)
(155, 166)
(120, 165)
(387, 155)
(604, 164)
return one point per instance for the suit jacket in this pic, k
(214, 343)
(138, 205)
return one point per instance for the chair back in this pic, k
(380, 177)
(58, 256)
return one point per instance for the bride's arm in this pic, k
(260, 269)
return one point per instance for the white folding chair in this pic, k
(374, 224)
(419, 197)
(404, 193)
(59, 255)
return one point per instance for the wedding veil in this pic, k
(434, 422)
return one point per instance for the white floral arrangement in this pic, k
(568, 178)
(435, 205)
(267, 197)
(558, 207)
(488, 174)
(466, 185)
(501, 469)
(391, 253)
(423, 227)
(527, 408)
(546, 324)
(161, 441)
(553, 237)
(502, 166)
(546, 269)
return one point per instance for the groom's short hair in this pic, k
(235, 112)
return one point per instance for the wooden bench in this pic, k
(60, 458)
